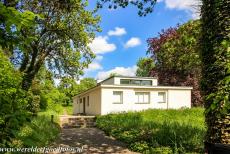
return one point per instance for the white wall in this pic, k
(179, 98)
(129, 103)
(101, 100)
(94, 107)
(174, 99)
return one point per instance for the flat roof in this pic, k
(133, 77)
(147, 87)
(138, 87)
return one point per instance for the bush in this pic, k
(43, 102)
(13, 101)
(39, 132)
(34, 104)
(159, 150)
(139, 146)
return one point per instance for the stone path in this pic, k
(93, 141)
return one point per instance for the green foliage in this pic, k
(144, 7)
(69, 109)
(59, 36)
(178, 48)
(34, 104)
(86, 84)
(215, 53)
(13, 101)
(160, 150)
(16, 20)
(177, 60)
(70, 88)
(39, 132)
(172, 131)
(113, 74)
(139, 146)
(145, 66)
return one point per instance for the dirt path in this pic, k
(93, 141)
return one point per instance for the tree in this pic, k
(145, 65)
(144, 6)
(12, 22)
(113, 74)
(175, 53)
(215, 47)
(70, 88)
(59, 38)
(13, 101)
(86, 84)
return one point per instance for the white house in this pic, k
(119, 93)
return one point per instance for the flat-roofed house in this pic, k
(121, 94)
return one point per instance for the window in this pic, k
(81, 100)
(87, 100)
(118, 97)
(161, 97)
(146, 83)
(136, 82)
(142, 97)
(124, 81)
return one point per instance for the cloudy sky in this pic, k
(123, 38)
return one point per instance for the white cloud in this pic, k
(190, 6)
(125, 71)
(100, 45)
(134, 41)
(117, 32)
(94, 66)
(99, 58)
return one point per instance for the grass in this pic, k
(158, 131)
(69, 109)
(40, 131)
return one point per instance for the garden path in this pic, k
(91, 140)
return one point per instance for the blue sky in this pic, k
(123, 38)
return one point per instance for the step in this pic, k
(77, 121)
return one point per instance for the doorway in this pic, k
(84, 105)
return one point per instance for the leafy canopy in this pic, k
(176, 55)
(145, 66)
(144, 6)
(58, 39)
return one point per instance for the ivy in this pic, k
(215, 47)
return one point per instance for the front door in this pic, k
(84, 105)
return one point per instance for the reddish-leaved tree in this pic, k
(176, 56)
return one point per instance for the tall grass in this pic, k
(40, 131)
(172, 131)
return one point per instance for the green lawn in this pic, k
(158, 131)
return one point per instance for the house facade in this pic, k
(121, 94)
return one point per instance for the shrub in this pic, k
(139, 146)
(159, 150)
(39, 132)
(13, 101)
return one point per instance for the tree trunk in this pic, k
(27, 81)
(31, 72)
(215, 55)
